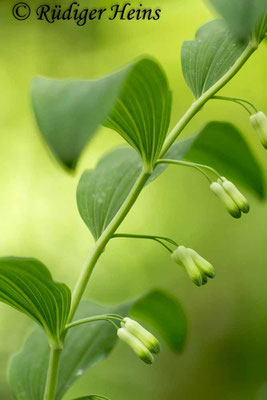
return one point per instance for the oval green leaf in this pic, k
(246, 19)
(102, 191)
(27, 285)
(136, 100)
(210, 56)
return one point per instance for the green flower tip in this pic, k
(233, 200)
(142, 342)
(259, 123)
(198, 269)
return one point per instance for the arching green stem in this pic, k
(197, 166)
(237, 101)
(127, 205)
(107, 317)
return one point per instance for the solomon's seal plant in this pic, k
(72, 335)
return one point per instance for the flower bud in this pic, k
(202, 264)
(183, 258)
(148, 340)
(198, 269)
(236, 195)
(137, 346)
(259, 123)
(228, 202)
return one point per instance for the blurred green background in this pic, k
(226, 351)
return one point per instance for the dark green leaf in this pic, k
(28, 369)
(246, 18)
(210, 56)
(136, 99)
(102, 191)
(27, 285)
(164, 313)
(88, 344)
(85, 346)
(222, 146)
(93, 397)
(142, 114)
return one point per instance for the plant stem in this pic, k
(144, 176)
(92, 319)
(125, 208)
(52, 374)
(237, 101)
(137, 236)
(189, 164)
(201, 101)
(159, 239)
(103, 240)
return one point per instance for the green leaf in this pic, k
(209, 57)
(142, 114)
(27, 285)
(222, 146)
(245, 18)
(93, 397)
(102, 191)
(210, 146)
(87, 344)
(164, 313)
(136, 100)
(28, 369)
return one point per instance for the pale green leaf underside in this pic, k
(85, 345)
(27, 285)
(136, 99)
(245, 18)
(102, 191)
(209, 57)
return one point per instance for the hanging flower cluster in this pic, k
(142, 342)
(233, 200)
(198, 269)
